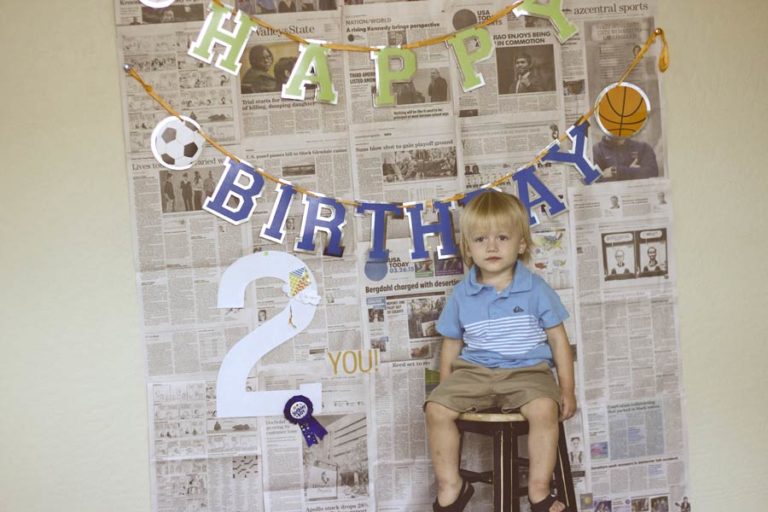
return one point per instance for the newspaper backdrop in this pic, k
(372, 342)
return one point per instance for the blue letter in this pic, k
(273, 229)
(314, 221)
(443, 227)
(527, 178)
(577, 156)
(380, 211)
(229, 188)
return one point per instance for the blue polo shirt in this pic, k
(503, 329)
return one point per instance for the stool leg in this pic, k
(513, 481)
(563, 478)
(498, 470)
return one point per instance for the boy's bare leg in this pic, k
(543, 431)
(444, 440)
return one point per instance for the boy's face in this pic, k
(494, 250)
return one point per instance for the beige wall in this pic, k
(716, 106)
(73, 427)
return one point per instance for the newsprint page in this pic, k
(372, 341)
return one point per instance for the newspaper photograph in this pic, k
(171, 228)
(402, 162)
(623, 236)
(523, 75)
(611, 37)
(403, 301)
(428, 93)
(577, 457)
(572, 62)
(267, 63)
(551, 256)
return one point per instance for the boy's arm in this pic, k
(561, 351)
(448, 354)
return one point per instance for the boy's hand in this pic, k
(563, 356)
(567, 405)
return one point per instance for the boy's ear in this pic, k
(523, 247)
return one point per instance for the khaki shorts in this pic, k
(472, 387)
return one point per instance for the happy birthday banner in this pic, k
(241, 184)
(312, 67)
(327, 214)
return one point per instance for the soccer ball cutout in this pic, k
(177, 143)
(157, 4)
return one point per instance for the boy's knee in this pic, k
(541, 410)
(437, 413)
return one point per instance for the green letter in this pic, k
(483, 50)
(214, 32)
(311, 68)
(385, 75)
(553, 12)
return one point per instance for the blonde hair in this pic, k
(494, 208)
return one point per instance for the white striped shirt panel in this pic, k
(509, 336)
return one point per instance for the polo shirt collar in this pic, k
(522, 282)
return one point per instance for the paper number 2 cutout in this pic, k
(232, 400)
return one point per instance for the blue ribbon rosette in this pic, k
(298, 410)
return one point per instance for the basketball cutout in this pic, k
(622, 109)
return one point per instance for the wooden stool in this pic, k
(505, 428)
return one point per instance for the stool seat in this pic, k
(492, 417)
(504, 429)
